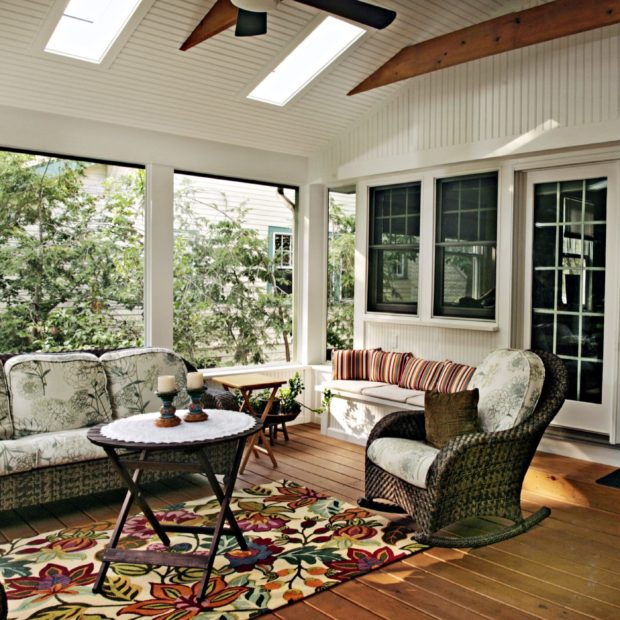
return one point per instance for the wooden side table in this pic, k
(132, 456)
(246, 384)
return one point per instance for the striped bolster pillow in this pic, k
(387, 366)
(454, 377)
(421, 374)
(351, 363)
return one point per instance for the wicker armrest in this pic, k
(403, 424)
(482, 452)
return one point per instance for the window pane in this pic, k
(572, 286)
(465, 246)
(397, 273)
(340, 271)
(71, 254)
(392, 257)
(466, 281)
(233, 273)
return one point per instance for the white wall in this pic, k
(553, 95)
(485, 114)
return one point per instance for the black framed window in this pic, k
(393, 248)
(465, 246)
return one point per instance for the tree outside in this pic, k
(72, 268)
(71, 262)
(341, 271)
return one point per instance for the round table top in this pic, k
(139, 431)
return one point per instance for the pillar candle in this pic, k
(195, 381)
(166, 384)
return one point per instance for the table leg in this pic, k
(225, 513)
(120, 521)
(252, 443)
(217, 490)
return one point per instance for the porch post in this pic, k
(311, 275)
(158, 255)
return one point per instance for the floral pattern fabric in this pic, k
(132, 379)
(299, 542)
(407, 459)
(47, 449)
(510, 382)
(6, 424)
(56, 392)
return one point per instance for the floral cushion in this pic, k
(47, 449)
(6, 424)
(407, 459)
(132, 379)
(56, 392)
(510, 382)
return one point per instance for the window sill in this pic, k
(468, 324)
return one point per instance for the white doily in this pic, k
(142, 429)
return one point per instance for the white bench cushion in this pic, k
(47, 449)
(510, 382)
(405, 458)
(392, 392)
(352, 386)
(56, 392)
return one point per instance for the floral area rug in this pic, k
(300, 542)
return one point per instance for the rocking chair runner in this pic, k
(474, 475)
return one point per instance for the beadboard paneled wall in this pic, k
(460, 345)
(493, 107)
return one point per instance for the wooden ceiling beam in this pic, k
(502, 34)
(221, 16)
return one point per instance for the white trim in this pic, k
(581, 450)
(158, 256)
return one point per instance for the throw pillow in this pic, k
(447, 416)
(387, 366)
(420, 374)
(454, 377)
(351, 364)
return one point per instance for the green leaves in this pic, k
(309, 556)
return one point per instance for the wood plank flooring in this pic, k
(567, 567)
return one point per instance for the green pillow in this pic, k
(447, 416)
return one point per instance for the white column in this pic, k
(311, 274)
(159, 251)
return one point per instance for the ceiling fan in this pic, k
(250, 16)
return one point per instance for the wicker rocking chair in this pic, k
(473, 475)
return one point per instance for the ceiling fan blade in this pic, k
(250, 23)
(223, 15)
(362, 12)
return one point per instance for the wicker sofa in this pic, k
(48, 402)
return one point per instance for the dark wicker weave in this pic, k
(4, 606)
(474, 475)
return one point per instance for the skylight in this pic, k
(88, 28)
(319, 49)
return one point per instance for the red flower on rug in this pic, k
(62, 546)
(296, 496)
(179, 602)
(361, 561)
(53, 579)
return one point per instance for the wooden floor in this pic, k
(567, 567)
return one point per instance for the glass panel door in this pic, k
(571, 307)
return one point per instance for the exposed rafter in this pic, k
(502, 34)
(223, 15)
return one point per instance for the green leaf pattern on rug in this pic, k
(299, 542)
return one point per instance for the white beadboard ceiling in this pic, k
(200, 93)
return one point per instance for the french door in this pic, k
(572, 279)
